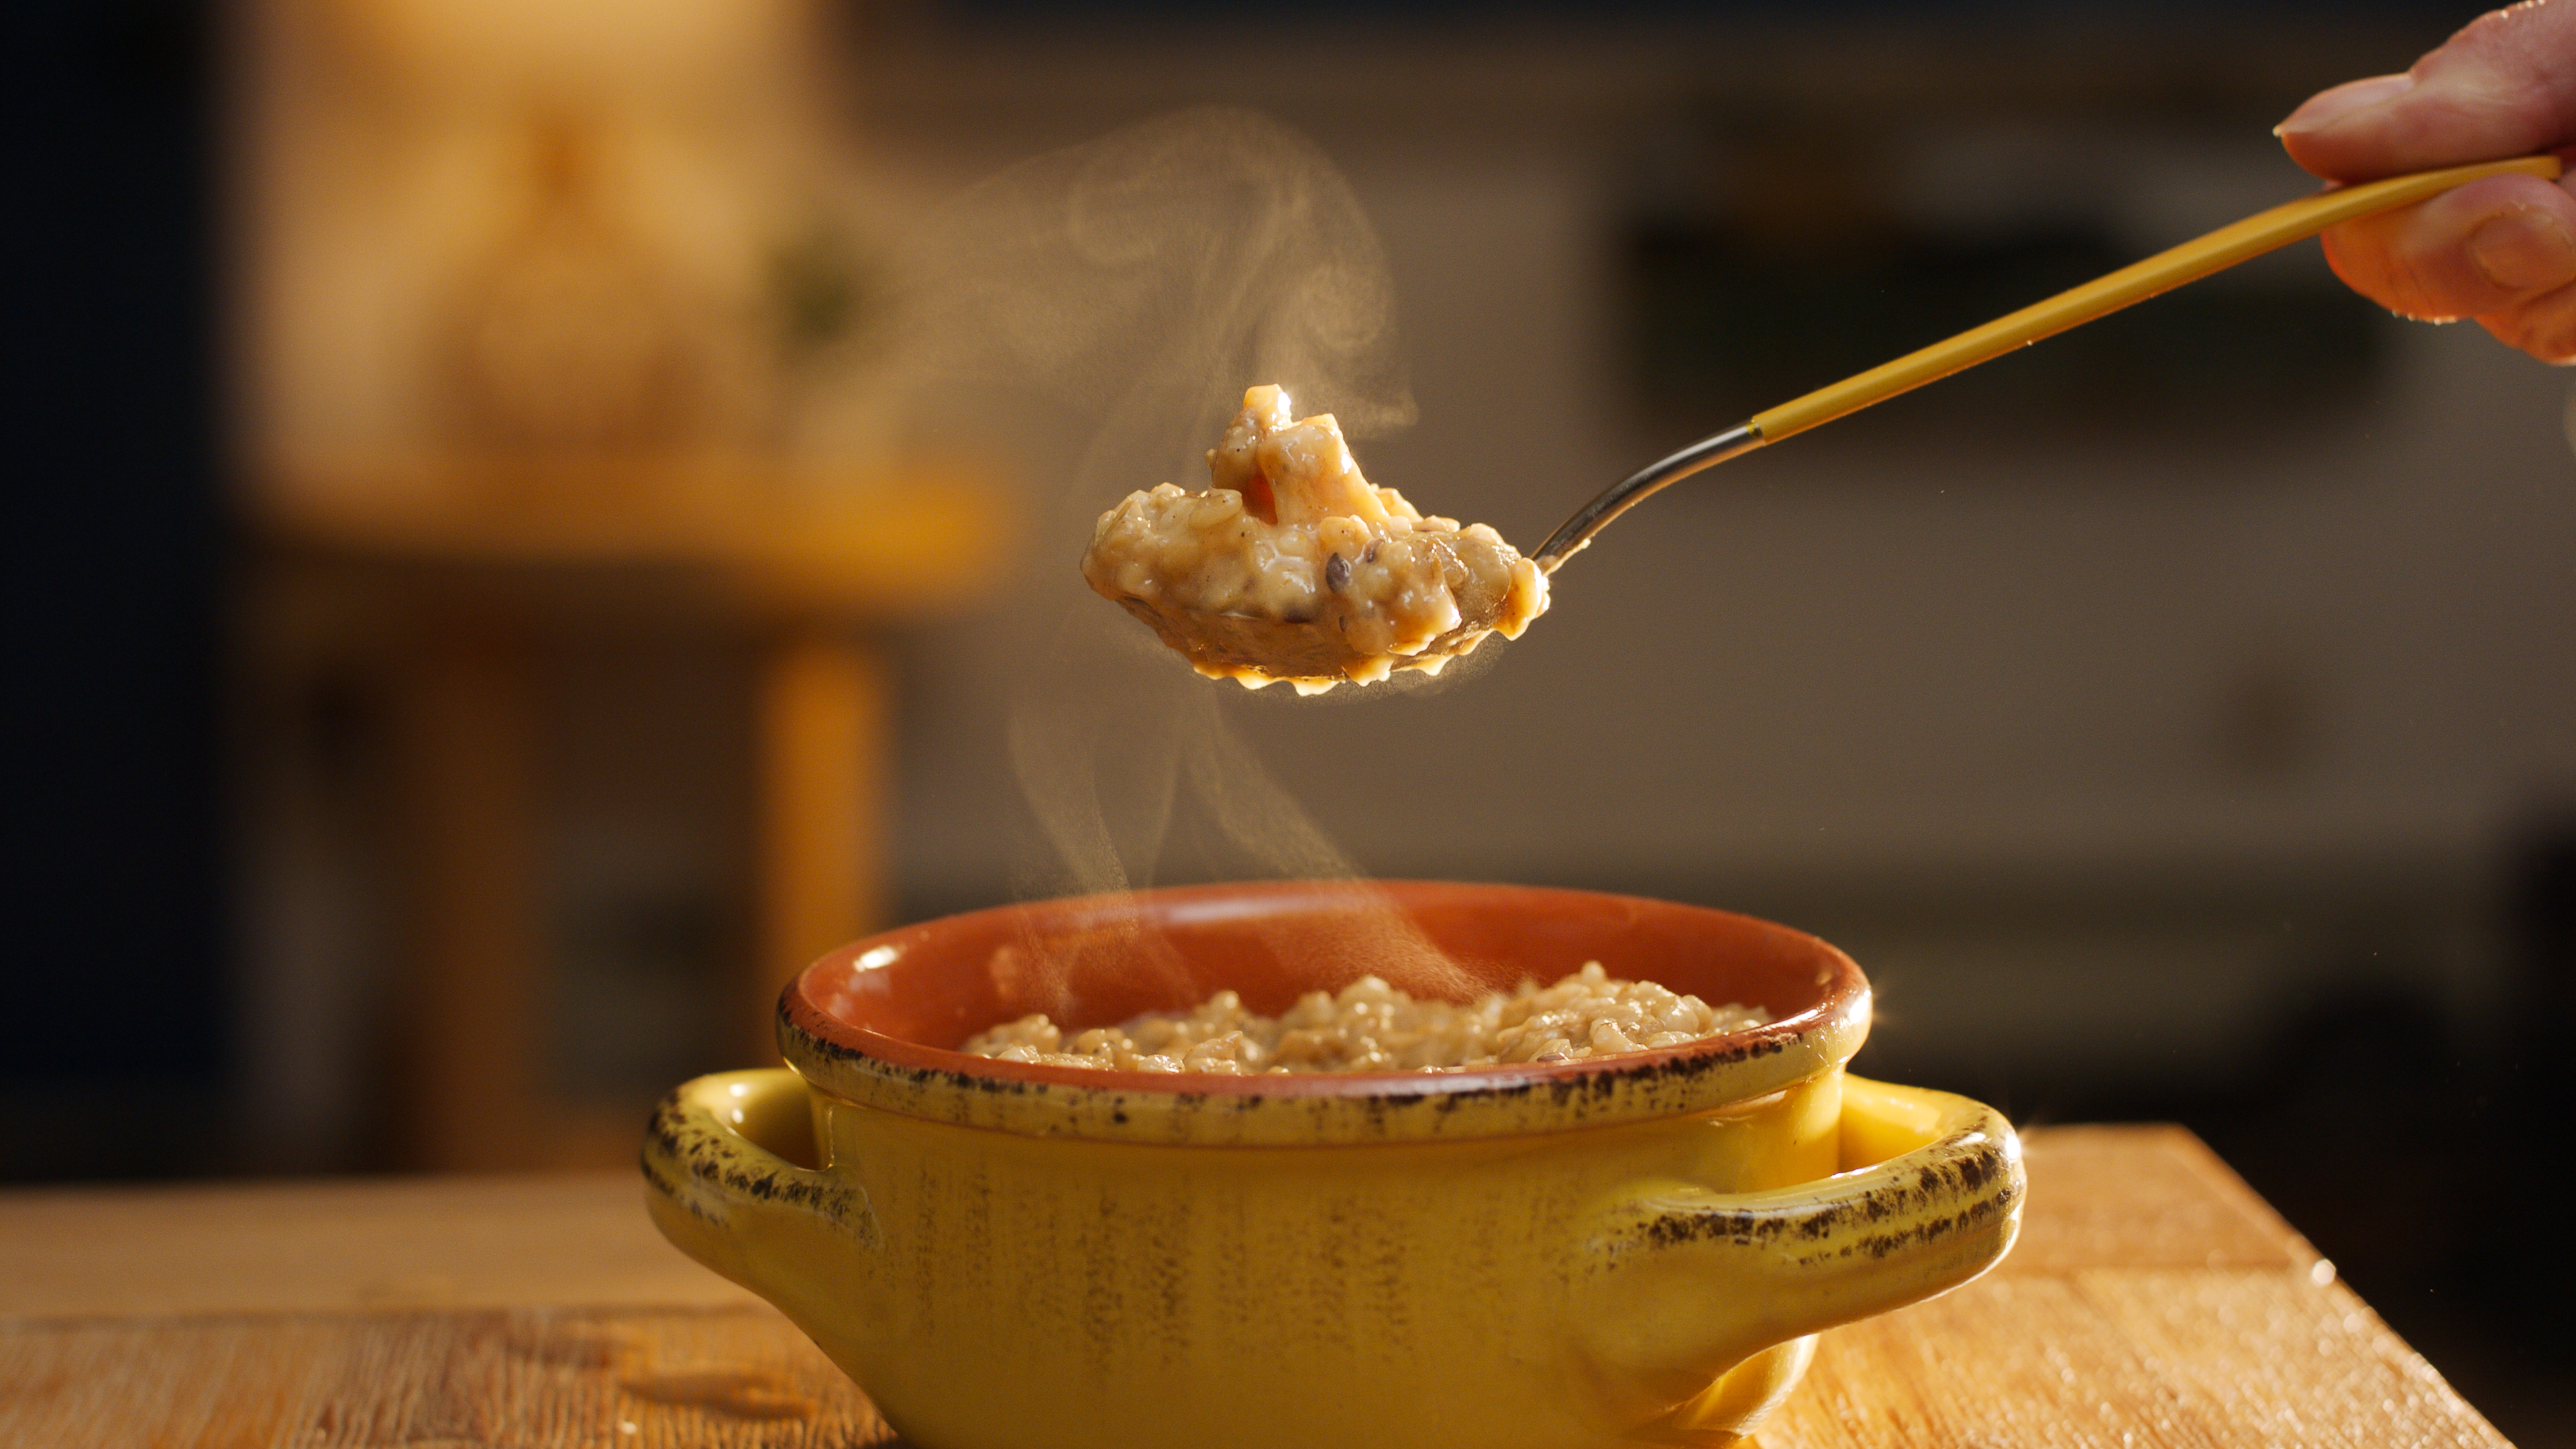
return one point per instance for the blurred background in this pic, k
(510, 565)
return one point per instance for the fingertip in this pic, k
(2331, 135)
(2330, 106)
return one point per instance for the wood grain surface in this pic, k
(2154, 1301)
(430, 1242)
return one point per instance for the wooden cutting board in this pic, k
(2153, 1301)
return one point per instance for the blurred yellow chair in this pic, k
(467, 559)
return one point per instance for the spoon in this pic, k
(2240, 241)
(1305, 651)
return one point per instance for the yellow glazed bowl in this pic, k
(1635, 1250)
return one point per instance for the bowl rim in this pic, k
(1842, 1009)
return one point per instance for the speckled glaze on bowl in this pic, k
(1629, 1251)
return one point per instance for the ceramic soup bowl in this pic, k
(1620, 1251)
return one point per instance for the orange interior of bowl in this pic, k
(1097, 960)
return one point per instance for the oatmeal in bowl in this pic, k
(1369, 1026)
(1292, 566)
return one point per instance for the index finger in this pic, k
(2505, 85)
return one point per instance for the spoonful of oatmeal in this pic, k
(1292, 566)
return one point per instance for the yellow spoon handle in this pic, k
(2162, 272)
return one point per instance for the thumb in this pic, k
(2504, 86)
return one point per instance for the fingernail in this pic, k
(2327, 107)
(2524, 248)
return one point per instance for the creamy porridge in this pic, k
(1292, 566)
(1370, 1026)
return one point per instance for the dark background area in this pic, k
(116, 973)
(2412, 1147)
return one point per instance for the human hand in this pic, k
(2502, 249)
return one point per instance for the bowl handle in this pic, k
(721, 1193)
(1928, 1196)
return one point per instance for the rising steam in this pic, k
(1127, 291)
(1148, 277)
